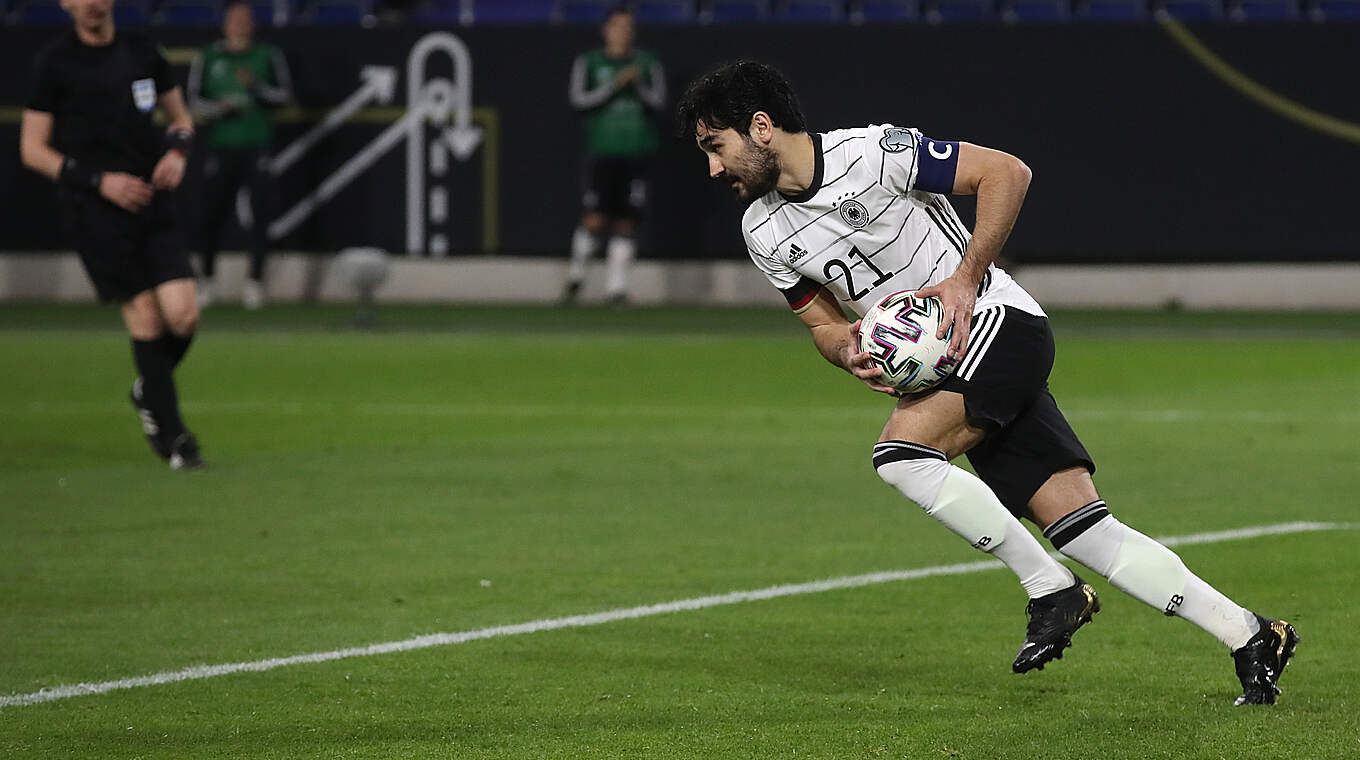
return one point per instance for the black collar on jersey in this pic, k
(819, 166)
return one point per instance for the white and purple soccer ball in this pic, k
(898, 333)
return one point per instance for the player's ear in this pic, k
(762, 129)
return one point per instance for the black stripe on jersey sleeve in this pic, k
(945, 230)
(950, 217)
(802, 293)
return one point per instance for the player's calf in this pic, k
(1149, 572)
(968, 507)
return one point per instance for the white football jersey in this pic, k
(875, 221)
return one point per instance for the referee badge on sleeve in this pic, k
(144, 94)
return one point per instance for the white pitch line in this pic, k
(196, 672)
(310, 408)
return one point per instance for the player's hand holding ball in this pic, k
(860, 364)
(958, 297)
(169, 171)
(906, 339)
(125, 191)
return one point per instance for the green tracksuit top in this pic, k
(232, 91)
(619, 121)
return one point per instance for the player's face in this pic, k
(749, 168)
(237, 23)
(89, 13)
(618, 31)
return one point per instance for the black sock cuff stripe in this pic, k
(1065, 530)
(900, 451)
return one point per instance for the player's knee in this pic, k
(142, 318)
(593, 222)
(183, 320)
(917, 471)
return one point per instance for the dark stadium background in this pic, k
(1140, 154)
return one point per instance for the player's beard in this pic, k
(757, 170)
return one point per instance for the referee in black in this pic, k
(88, 126)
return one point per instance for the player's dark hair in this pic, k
(730, 95)
(617, 10)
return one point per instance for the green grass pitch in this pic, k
(460, 468)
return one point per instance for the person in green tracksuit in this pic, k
(233, 84)
(618, 89)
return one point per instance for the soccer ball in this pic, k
(898, 333)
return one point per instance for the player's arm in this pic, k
(277, 90)
(836, 338)
(1000, 181)
(36, 151)
(651, 86)
(179, 137)
(582, 98)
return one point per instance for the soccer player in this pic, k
(232, 84)
(616, 88)
(88, 126)
(844, 218)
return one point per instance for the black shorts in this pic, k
(1004, 381)
(123, 253)
(615, 186)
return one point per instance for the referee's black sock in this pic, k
(158, 385)
(175, 346)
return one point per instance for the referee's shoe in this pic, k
(184, 453)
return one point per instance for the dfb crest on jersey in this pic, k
(144, 94)
(897, 139)
(855, 214)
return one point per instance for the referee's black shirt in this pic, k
(101, 99)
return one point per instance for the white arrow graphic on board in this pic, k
(380, 84)
(434, 106)
(460, 136)
(442, 103)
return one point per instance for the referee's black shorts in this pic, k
(125, 253)
(1004, 382)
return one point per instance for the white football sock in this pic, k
(968, 507)
(583, 246)
(1149, 572)
(619, 253)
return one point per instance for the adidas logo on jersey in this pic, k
(795, 253)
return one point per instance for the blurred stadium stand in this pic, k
(1263, 10)
(957, 11)
(339, 12)
(1342, 10)
(1111, 10)
(1035, 11)
(1192, 10)
(810, 11)
(885, 11)
(191, 13)
(208, 13)
(733, 11)
(665, 11)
